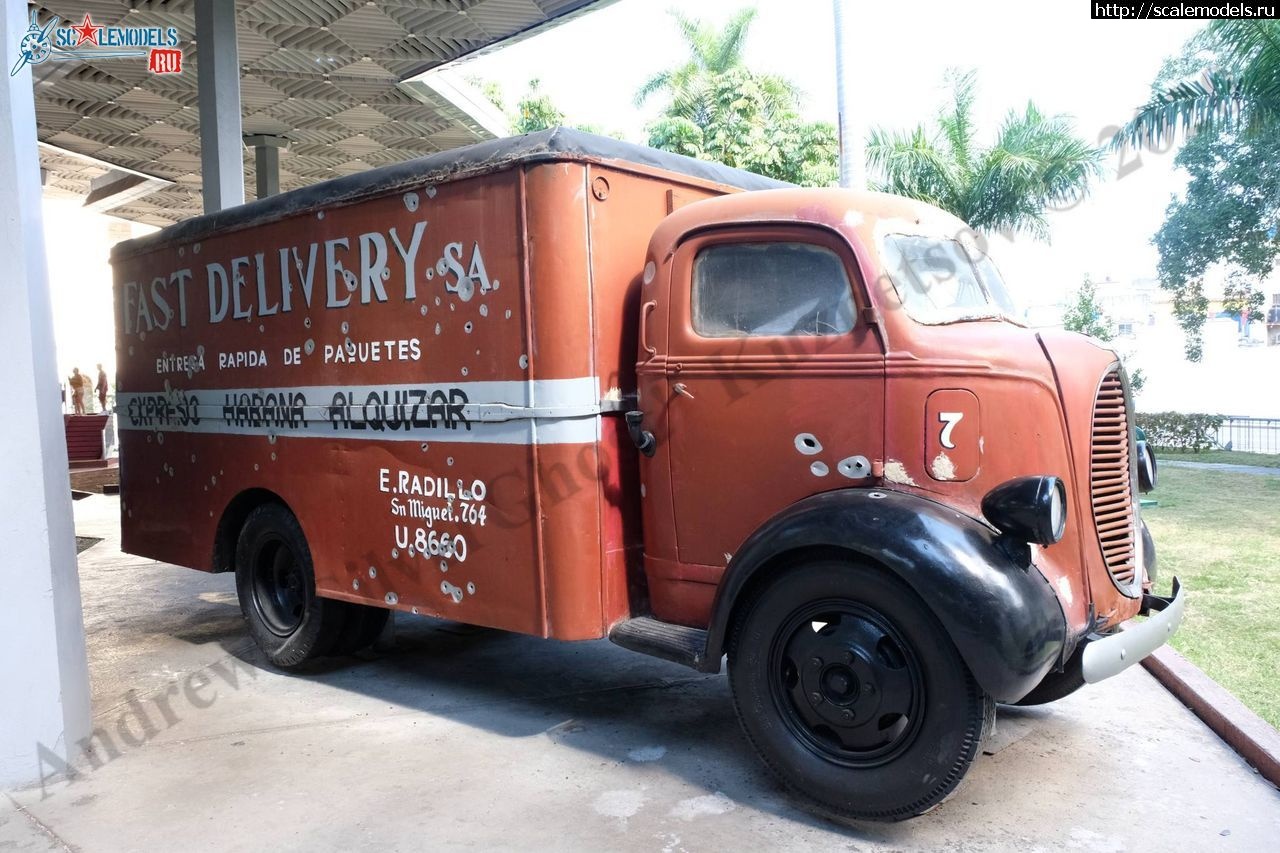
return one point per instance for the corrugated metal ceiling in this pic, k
(324, 74)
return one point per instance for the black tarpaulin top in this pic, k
(546, 145)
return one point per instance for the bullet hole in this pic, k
(392, 598)
(346, 327)
(430, 191)
(468, 327)
(310, 346)
(373, 573)
(471, 589)
(355, 583)
(431, 273)
(437, 328)
(395, 553)
(508, 314)
(464, 371)
(819, 469)
(425, 447)
(306, 322)
(411, 202)
(484, 310)
(808, 444)
(195, 249)
(423, 310)
(524, 361)
(444, 566)
(450, 461)
(319, 214)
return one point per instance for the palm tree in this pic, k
(1241, 92)
(1037, 162)
(712, 54)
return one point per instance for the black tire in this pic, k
(364, 624)
(275, 582)
(880, 718)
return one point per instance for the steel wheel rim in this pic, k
(846, 683)
(279, 587)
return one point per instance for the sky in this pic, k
(1054, 55)
(1095, 71)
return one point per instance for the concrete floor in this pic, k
(464, 738)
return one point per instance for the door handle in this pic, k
(683, 390)
(644, 329)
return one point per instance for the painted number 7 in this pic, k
(948, 421)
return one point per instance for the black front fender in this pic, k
(1004, 618)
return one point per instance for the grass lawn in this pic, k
(1220, 534)
(1232, 457)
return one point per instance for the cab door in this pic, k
(775, 383)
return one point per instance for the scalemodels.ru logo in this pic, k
(159, 45)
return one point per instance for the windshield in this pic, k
(944, 280)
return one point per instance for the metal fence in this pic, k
(1251, 435)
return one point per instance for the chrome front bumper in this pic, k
(1106, 656)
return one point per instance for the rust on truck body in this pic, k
(347, 357)
(576, 388)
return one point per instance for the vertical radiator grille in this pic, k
(1109, 480)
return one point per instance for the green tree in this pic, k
(1084, 314)
(1036, 162)
(536, 111)
(716, 108)
(1226, 217)
(1237, 87)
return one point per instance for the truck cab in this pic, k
(839, 395)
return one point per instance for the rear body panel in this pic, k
(425, 366)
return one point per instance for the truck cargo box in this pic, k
(424, 362)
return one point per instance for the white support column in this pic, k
(266, 160)
(218, 80)
(853, 125)
(44, 679)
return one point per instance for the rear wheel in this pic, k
(852, 693)
(363, 625)
(276, 585)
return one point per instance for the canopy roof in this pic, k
(329, 75)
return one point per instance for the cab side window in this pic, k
(770, 289)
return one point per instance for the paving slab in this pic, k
(460, 738)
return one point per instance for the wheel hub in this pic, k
(847, 683)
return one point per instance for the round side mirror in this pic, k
(1147, 469)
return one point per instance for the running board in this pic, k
(676, 643)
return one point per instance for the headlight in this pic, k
(1030, 509)
(1147, 475)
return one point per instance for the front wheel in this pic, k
(852, 693)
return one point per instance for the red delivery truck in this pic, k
(576, 388)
